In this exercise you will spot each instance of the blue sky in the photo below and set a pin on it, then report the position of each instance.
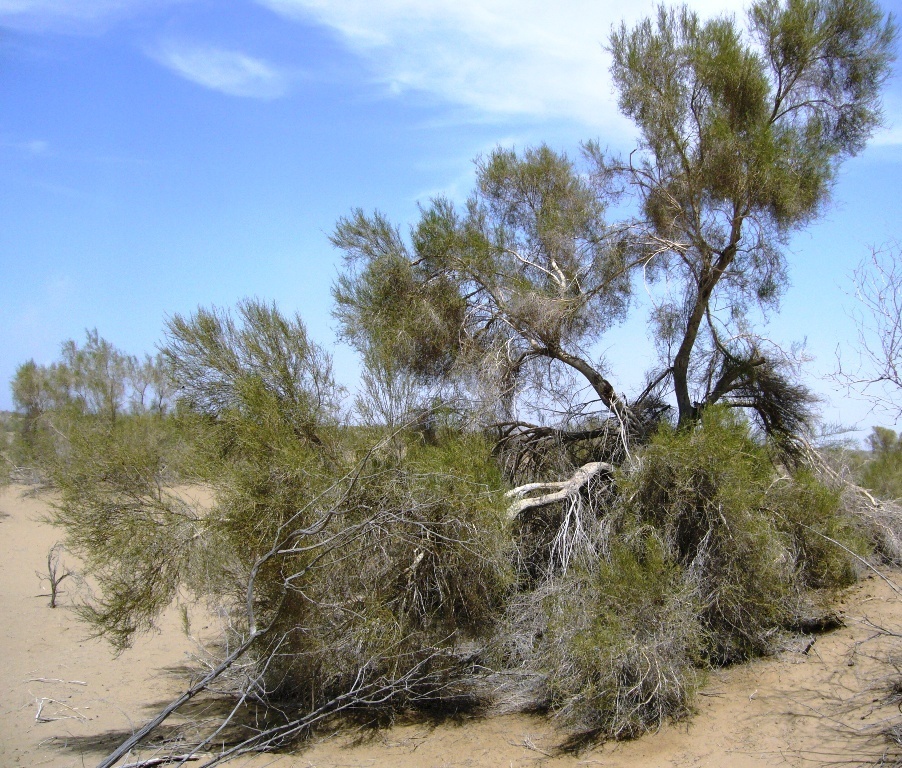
(158, 155)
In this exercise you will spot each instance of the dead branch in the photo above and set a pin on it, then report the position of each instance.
(161, 761)
(40, 718)
(126, 746)
(53, 574)
(560, 490)
(878, 317)
(362, 694)
(883, 517)
(55, 680)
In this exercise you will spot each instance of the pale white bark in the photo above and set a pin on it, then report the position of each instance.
(558, 491)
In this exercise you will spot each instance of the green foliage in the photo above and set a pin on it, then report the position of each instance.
(702, 553)
(133, 532)
(391, 309)
(818, 535)
(262, 360)
(95, 376)
(624, 643)
(95, 382)
(377, 563)
(406, 555)
(750, 540)
(742, 132)
(372, 559)
(423, 573)
(389, 395)
(9, 428)
(527, 272)
(742, 135)
(882, 473)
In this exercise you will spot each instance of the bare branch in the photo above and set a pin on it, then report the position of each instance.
(559, 490)
(878, 290)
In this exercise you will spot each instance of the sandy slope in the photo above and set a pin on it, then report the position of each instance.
(797, 709)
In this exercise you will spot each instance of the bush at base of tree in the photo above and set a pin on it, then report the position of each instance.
(625, 643)
(751, 539)
(705, 554)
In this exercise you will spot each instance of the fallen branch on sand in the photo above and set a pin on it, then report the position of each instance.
(54, 680)
(41, 718)
(161, 761)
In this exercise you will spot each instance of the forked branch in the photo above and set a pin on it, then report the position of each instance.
(558, 491)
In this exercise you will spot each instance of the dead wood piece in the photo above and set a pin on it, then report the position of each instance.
(560, 490)
(161, 761)
(819, 623)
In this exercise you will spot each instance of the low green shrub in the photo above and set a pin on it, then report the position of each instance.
(882, 472)
(115, 501)
(704, 554)
(821, 540)
(377, 563)
(419, 578)
(624, 643)
(750, 539)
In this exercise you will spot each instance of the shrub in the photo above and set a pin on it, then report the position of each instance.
(373, 565)
(417, 573)
(135, 535)
(623, 642)
(702, 554)
(750, 539)
(883, 472)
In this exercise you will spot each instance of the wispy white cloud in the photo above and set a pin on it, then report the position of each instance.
(228, 71)
(501, 57)
(71, 15)
(29, 147)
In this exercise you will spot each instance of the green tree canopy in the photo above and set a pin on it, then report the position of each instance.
(741, 137)
(741, 134)
(527, 275)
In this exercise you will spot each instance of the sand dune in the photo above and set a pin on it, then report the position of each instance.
(65, 701)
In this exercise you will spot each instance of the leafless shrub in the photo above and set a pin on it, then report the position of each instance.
(877, 374)
(880, 519)
(55, 573)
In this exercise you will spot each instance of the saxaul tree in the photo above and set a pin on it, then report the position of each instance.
(350, 575)
(741, 132)
(367, 565)
(742, 135)
(92, 385)
(504, 296)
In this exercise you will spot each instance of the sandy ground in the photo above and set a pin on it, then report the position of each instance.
(66, 701)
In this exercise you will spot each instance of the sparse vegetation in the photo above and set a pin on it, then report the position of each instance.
(882, 472)
(381, 560)
(56, 572)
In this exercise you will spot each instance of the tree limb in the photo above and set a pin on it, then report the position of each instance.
(559, 490)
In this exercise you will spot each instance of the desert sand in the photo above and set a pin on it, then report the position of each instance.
(66, 701)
